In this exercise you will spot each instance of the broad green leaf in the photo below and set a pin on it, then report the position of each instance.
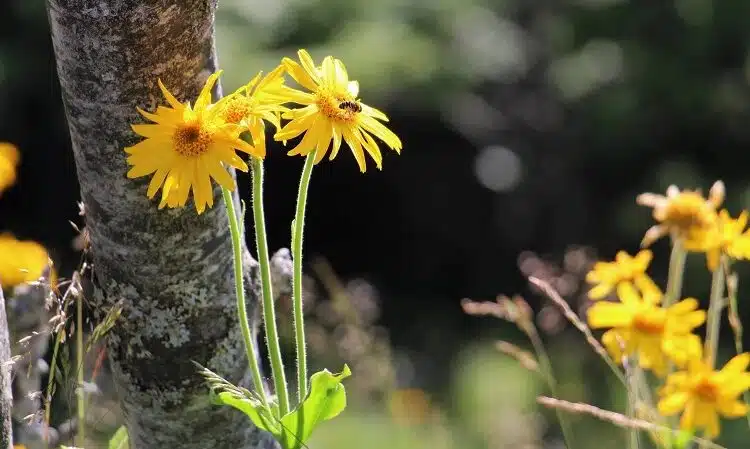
(119, 440)
(253, 409)
(326, 399)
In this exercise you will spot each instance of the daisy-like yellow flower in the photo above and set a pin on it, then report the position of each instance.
(680, 212)
(9, 158)
(332, 113)
(22, 261)
(703, 394)
(186, 147)
(606, 276)
(258, 101)
(640, 327)
(727, 236)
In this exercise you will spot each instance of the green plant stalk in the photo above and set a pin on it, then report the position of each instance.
(634, 441)
(714, 314)
(50, 382)
(239, 288)
(269, 315)
(737, 330)
(299, 317)
(676, 271)
(80, 393)
(546, 366)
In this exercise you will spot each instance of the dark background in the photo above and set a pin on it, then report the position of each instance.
(527, 125)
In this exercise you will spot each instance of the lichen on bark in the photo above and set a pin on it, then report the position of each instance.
(171, 270)
(6, 400)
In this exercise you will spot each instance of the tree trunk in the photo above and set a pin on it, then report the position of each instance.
(6, 399)
(170, 269)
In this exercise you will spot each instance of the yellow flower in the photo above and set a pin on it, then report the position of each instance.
(640, 327)
(186, 147)
(9, 158)
(726, 236)
(703, 394)
(258, 100)
(22, 261)
(332, 112)
(680, 212)
(625, 269)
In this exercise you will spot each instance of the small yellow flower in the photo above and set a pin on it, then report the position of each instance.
(640, 327)
(680, 212)
(332, 113)
(21, 261)
(9, 157)
(703, 394)
(625, 269)
(727, 236)
(19, 446)
(258, 100)
(186, 147)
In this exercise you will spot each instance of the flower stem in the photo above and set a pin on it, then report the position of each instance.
(80, 392)
(676, 272)
(633, 394)
(240, 293)
(714, 314)
(269, 316)
(299, 318)
(546, 367)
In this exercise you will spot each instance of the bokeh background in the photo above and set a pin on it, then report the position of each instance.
(529, 126)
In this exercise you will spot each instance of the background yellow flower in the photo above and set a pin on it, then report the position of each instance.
(21, 261)
(703, 394)
(606, 276)
(726, 236)
(9, 157)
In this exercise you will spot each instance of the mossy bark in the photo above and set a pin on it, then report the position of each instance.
(170, 269)
(6, 399)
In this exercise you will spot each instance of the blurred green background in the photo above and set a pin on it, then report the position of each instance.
(528, 126)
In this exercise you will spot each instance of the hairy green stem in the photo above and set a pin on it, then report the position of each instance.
(714, 314)
(546, 366)
(676, 272)
(269, 315)
(299, 318)
(634, 441)
(239, 287)
(50, 383)
(80, 391)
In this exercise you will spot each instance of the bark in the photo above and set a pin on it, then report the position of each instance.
(171, 269)
(6, 399)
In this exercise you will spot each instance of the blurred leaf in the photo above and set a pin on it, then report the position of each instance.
(119, 440)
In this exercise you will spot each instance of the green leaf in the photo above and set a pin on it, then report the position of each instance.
(119, 440)
(252, 408)
(326, 399)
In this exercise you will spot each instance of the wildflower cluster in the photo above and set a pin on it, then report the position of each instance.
(654, 330)
(21, 261)
(189, 145)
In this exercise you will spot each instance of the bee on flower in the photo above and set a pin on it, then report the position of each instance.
(606, 276)
(332, 113)
(680, 212)
(640, 327)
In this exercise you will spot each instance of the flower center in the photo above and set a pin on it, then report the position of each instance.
(337, 106)
(688, 210)
(191, 139)
(650, 322)
(236, 109)
(706, 390)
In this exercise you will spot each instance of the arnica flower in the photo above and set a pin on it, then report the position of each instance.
(606, 276)
(703, 394)
(640, 327)
(332, 113)
(727, 236)
(254, 103)
(9, 158)
(186, 147)
(22, 261)
(680, 212)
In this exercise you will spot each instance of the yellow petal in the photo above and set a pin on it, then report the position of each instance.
(609, 314)
(168, 95)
